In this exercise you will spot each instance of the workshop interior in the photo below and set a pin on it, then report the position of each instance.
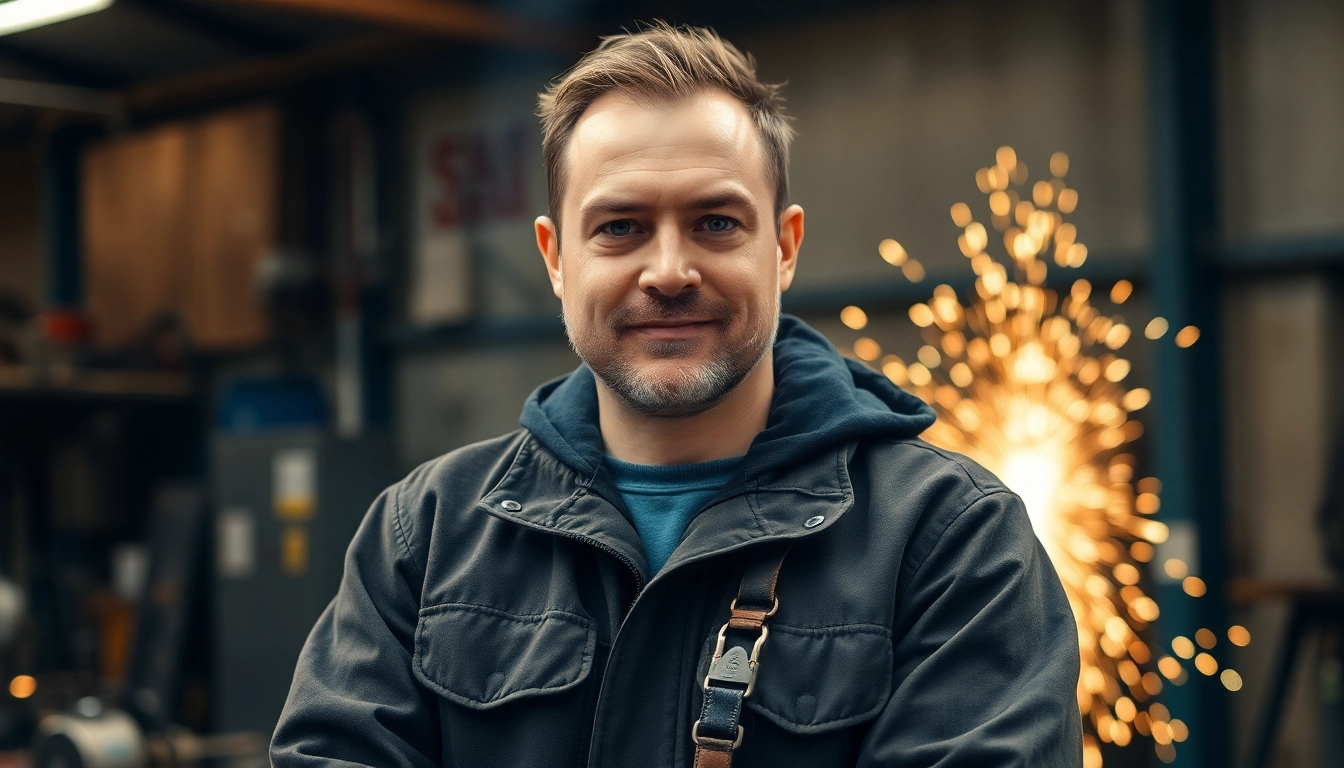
(261, 258)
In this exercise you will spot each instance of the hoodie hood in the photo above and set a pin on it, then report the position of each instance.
(821, 401)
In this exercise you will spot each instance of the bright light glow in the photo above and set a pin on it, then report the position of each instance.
(18, 15)
(1034, 475)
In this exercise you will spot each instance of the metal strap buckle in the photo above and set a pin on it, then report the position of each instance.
(719, 744)
(733, 607)
(735, 666)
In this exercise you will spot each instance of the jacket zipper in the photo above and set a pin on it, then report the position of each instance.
(639, 589)
(639, 579)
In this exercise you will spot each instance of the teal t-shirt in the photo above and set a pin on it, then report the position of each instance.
(663, 498)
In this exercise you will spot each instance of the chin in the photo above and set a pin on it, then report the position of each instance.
(669, 374)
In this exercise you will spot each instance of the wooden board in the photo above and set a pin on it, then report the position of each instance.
(177, 219)
(133, 189)
(231, 223)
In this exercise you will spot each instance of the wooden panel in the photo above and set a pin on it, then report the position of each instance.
(177, 219)
(231, 224)
(133, 188)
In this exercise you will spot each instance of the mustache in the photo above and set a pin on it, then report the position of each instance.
(656, 307)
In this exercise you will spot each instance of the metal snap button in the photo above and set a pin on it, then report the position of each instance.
(511, 505)
(813, 522)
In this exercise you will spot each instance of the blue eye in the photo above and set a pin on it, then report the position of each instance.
(719, 224)
(621, 228)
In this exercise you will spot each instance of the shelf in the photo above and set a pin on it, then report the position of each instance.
(27, 382)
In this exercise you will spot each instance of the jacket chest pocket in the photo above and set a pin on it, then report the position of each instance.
(817, 687)
(516, 687)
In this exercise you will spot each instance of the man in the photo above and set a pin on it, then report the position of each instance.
(715, 543)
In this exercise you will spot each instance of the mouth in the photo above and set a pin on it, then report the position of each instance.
(672, 329)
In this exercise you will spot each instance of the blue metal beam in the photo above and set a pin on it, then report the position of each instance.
(1185, 288)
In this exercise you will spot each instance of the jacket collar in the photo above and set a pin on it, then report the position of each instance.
(540, 491)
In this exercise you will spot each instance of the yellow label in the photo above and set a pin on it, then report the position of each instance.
(294, 484)
(294, 550)
(295, 509)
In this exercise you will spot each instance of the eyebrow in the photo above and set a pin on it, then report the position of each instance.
(611, 205)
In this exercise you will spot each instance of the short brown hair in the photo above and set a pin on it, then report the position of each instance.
(662, 61)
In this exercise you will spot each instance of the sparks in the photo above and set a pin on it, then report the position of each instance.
(1031, 385)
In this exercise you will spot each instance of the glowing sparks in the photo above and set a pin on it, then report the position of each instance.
(913, 270)
(854, 318)
(1206, 664)
(1187, 336)
(961, 214)
(892, 252)
(1121, 291)
(1194, 586)
(23, 686)
(1030, 383)
(1059, 164)
(867, 349)
(1238, 635)
(1183, 647)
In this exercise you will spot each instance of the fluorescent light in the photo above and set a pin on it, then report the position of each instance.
(18, 15)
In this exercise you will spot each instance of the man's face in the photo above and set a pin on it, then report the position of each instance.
(672, 261)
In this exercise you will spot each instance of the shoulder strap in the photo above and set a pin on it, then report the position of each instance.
(732, 672)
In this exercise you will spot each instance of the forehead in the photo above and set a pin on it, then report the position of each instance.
(631, 144)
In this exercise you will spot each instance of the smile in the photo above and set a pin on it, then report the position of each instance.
(676, 329)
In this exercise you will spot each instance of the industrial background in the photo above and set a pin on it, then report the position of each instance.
(259, 258)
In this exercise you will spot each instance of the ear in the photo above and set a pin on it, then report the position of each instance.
(790, 240)
(548, 242)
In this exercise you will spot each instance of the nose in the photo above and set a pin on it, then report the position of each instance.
(670, 268)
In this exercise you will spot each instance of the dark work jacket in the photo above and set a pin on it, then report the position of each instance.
(497, 609)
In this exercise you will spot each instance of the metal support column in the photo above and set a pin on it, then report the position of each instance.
(1183, 151)
(61, 218)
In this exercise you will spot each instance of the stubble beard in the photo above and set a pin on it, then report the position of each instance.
(697, 387)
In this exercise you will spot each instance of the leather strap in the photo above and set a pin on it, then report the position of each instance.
(712, 758)
(733, 670)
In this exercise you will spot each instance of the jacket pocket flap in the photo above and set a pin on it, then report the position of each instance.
(814, 680)
(482, 657)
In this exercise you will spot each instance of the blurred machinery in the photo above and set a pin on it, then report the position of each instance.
(133, 727)
(94, 736)
(288, 497)
(1315, 612)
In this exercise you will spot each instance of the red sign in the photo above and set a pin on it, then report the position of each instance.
(477, 177)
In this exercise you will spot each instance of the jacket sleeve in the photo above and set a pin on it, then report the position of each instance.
(354, 700)
(986, 651)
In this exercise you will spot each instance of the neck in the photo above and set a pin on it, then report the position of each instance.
(724, 431)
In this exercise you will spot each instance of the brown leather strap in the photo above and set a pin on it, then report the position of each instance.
(713, 758)
(747, 619)
(755, 603)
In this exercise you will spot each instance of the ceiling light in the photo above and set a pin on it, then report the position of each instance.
(18, 15)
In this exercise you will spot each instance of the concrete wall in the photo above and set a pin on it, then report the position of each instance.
(1283, 118)
(897, 108)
